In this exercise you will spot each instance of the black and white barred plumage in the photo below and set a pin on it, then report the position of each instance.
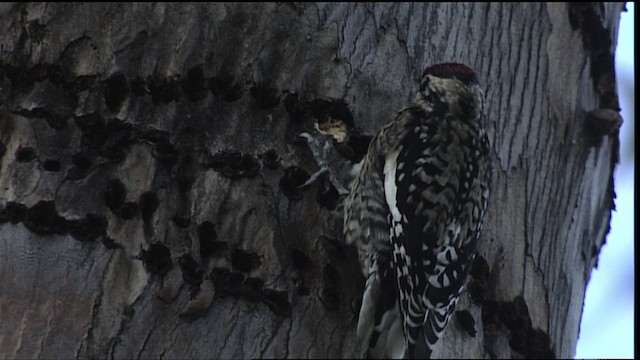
(415, 212)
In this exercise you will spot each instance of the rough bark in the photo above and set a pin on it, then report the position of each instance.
(149, 160)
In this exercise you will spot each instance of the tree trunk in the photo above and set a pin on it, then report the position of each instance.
(149, 169)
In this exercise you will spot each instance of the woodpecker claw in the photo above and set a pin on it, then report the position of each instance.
(314, 177)
(321, 149)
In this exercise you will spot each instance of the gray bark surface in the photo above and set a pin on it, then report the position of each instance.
(148, 152)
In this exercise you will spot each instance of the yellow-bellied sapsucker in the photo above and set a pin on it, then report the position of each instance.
(415, 211)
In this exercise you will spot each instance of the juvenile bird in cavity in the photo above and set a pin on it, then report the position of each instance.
(415, 211)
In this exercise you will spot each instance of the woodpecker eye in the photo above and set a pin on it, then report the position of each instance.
(425, 82)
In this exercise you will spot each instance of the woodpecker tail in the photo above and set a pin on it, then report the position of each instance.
(431, 332)
(379, 322)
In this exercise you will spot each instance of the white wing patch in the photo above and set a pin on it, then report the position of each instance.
(390, 187)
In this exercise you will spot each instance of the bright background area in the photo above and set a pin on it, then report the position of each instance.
(607, 328)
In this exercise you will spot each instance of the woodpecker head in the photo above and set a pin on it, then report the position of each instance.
(456, 71)
(450, 87)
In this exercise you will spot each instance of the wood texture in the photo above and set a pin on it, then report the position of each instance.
(148, 152)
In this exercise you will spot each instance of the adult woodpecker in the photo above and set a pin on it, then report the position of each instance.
(415, 211)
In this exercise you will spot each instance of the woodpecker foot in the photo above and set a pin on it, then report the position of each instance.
(321, 149)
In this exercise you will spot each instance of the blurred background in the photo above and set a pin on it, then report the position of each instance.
(607, 328)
